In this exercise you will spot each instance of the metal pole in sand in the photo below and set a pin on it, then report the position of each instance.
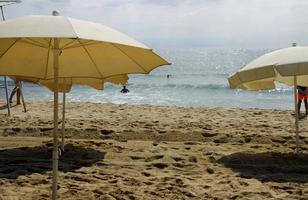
(55, 154)
(294, 44)
(5, 81)
(296, 115)
(63, 119)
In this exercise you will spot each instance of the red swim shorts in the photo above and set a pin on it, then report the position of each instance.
(301, 97)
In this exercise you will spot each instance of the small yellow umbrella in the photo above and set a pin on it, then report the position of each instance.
(56, 47)
(288, 66)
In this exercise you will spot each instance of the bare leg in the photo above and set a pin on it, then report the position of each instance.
(18, 95)
(12, 94)
(306, 106)
(299, 106)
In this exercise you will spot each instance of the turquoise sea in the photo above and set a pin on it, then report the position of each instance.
(198, 78)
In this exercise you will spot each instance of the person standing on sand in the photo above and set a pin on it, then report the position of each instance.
(302, 94)
(16, 91)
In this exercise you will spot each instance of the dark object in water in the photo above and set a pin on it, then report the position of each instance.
(124, 90)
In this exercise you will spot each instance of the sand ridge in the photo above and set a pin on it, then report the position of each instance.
(154, 152)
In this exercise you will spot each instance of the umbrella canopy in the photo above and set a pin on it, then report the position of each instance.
(288, 66)
(55, 50)
(281, 66)
(65, 84)
(87, 50)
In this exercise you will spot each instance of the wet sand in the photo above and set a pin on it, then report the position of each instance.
(154, 152)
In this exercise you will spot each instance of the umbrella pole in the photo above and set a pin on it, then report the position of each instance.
(7, 97)
(296, 115)
(63, 121)
(55, 155)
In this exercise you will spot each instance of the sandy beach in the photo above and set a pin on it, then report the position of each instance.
(154, 152)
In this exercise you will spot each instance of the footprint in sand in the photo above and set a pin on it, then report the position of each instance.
(179, 182)
(178, 159)
(137, 157)
(278, 140)
(193, 159)
(247, 139)
(113, 181)
(255, 146)
(178, 165)
(152, 158)
(189, 194)
(106, 132)
(147, 174)
(161, 131)
(191, 143)
(148, 183)
(206, 187)
(243, 183)
(221, 140)
(16, 129)
(207, 134)
(160, 165)
(155, 143)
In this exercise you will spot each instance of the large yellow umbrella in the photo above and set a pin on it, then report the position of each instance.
(59, 48)
(288, 66)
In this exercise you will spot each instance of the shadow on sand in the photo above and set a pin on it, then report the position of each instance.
(269, 166)
(4, 107)
(29, 160)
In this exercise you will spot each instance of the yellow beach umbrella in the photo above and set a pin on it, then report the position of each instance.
(288, 66)
(56, 47)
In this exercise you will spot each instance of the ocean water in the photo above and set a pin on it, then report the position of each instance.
(198, 78)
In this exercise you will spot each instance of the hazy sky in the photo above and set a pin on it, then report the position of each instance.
(188, 23)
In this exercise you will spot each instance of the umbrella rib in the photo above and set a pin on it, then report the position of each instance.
(36, 43)
(10, 47)
(129, 57)
(27, 42)
(86, 50)
(67, 44)
(83, 44)
(47, 59)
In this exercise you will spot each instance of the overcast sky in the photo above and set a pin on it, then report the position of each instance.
(188, 23)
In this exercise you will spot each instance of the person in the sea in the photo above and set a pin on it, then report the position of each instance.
(302, 94)
(124, 90)
(16, 91)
